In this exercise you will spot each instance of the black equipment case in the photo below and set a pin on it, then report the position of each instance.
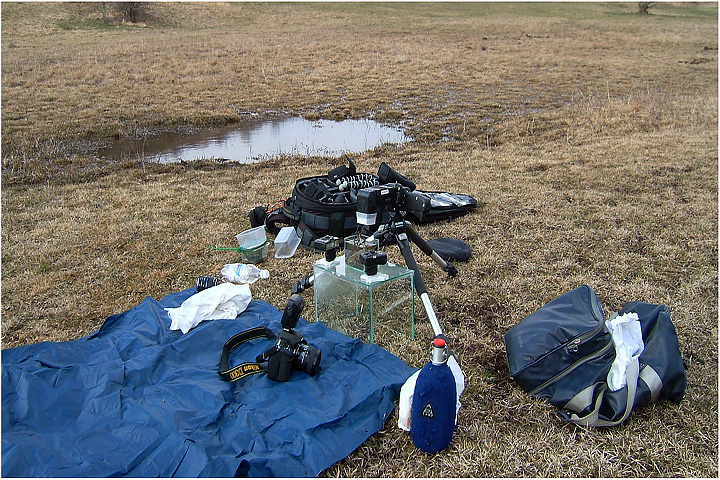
(326, 204)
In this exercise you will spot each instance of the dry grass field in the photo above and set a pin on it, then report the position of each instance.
(587, 132)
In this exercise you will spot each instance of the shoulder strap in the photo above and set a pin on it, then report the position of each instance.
(593, 419)
(278, 216)
(244, 369)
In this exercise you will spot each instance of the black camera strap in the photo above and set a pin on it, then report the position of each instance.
(244, 369)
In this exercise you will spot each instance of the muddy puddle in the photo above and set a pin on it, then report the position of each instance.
(257, 140)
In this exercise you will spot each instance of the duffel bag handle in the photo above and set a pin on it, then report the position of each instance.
(592, 419)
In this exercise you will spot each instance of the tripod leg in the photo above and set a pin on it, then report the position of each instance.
(404, 245)
(427, 250)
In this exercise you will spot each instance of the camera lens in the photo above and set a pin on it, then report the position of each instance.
(204, 282)
(308, 359)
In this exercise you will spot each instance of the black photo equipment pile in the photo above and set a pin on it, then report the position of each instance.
(327, 204)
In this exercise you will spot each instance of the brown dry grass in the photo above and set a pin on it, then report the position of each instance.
(587, 133)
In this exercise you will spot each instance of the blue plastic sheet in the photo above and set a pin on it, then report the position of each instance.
(136, 399)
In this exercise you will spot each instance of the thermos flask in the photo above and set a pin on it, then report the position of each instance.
(433, 403)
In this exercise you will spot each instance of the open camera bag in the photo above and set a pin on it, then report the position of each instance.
(563, 353)
(327, 204)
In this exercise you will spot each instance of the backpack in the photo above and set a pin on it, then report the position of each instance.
(327, 204)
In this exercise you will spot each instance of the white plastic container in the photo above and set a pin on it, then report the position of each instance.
(252, 238)
(286, 242)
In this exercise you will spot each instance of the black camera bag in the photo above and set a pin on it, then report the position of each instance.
(317, 206)
(563, 353)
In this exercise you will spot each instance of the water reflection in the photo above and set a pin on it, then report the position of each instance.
(253, 141)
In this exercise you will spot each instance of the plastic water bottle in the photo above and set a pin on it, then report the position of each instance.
(433, 403)
(243, 273)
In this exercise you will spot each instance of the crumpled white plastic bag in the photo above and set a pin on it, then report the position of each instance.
(408, 389)
(626, 333)
(225, 300)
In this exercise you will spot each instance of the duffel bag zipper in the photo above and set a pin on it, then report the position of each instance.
(574, 345)
(568, 370)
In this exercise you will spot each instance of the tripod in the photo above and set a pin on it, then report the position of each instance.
(435, 390)
(400, 232)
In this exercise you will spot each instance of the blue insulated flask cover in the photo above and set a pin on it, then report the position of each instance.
(433, 406)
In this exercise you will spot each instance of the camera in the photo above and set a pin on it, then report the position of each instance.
(290, 351)
(328, 244)
(370, 261)
(373, 201)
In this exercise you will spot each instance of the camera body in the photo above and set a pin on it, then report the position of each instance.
(291, 351)
(329, 245)
(370, 261)
(373, 201)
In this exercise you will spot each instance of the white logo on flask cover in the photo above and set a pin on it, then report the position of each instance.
(428, 412)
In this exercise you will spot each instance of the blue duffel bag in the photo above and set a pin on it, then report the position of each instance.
(563, 352)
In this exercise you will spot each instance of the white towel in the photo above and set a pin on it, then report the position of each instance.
(626, 333)
(226, 300)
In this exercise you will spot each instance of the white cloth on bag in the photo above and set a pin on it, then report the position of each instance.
(408, 389)
(226, 300)
(626, 333)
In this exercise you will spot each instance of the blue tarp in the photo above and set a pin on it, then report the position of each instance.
(136, 399)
